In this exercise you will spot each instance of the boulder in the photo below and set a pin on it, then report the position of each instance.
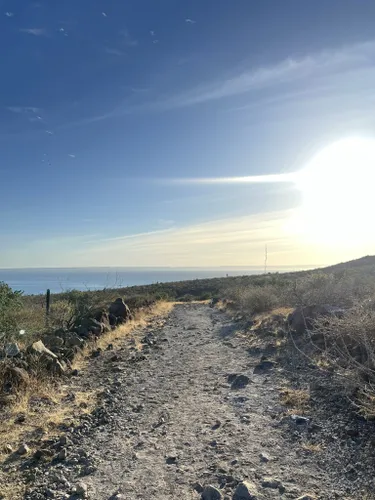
(211, 493)
(12, 350)
(303, 318)
(40, 349)
(15, 378)
(245, 491)
(119, 309)
(71, 339)
(240, 382)
(53, 342)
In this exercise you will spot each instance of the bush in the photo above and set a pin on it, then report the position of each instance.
(9, 303)
(252, 300)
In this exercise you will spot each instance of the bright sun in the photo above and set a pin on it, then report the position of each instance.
(338, 192)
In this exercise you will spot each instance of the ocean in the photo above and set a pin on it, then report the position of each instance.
(36, 281)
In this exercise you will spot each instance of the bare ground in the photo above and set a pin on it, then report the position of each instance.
(171, 421)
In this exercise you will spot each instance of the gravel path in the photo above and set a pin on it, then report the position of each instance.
(173, 420)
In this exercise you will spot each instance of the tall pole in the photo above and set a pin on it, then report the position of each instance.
(265, 259)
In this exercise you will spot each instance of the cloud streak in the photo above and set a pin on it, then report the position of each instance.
(34, 31)
(289, 70)
(251, 179)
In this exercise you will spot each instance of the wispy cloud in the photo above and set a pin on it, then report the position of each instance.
(289, 70)
(23, 109)
(127, 39)
(72, 156)
(104, 14)
(9, 14)
(252, 179)
(190, 21)
(113, 51)
(34, 31)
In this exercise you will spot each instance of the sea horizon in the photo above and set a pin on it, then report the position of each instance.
(35, 281)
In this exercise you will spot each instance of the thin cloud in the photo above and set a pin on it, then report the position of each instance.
(104, 14)
(252, 179)
(72, 156)
(34, 31)
(23, 109)
(113, 51)
(190, 21)
(9, 14)
(127, 39)
(290, 70)
(49, 132)
(152, 32)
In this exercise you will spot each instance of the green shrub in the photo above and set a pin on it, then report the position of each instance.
(9, 303)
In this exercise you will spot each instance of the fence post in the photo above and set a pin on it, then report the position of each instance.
(48, 303)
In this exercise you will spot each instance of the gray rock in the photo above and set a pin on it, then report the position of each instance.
(263, 366)
(62, 455)
(74, 340)
(53, 341)
(211, 493)
(119, 309)
(240, 381)
(81, 490)
(12, 350)
(306, 497)
(270, 482)
(246, 491)
(23, 449)
(264, 457)
(8, 449)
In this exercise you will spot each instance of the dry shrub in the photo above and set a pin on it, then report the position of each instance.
(253, 300)
(350, 340)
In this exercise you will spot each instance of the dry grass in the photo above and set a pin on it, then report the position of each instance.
(47, 404)
(313, 448)
(297, 400)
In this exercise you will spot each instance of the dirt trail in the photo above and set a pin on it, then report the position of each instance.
(171, 419)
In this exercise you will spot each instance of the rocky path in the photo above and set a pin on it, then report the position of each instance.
(185, 412)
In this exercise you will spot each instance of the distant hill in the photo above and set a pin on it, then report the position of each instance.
(364, 262)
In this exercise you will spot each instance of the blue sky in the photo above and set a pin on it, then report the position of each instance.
(105, 104)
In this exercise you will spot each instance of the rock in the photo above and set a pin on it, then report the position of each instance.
(303, 318)
(119, 309)
(81, 490)
(62, 455)
(297, 419)
(264, 457)
(12, 350)
(53, 342)
(38, 454)
(211, 493)
(8, 449)
(74, 340)
(197, 487)
(23, 449)
(40, 349)
(63, 441)
(263, 366)
(15, 378)
(240, 381)
(306, 497)
(245, 491)
(272, 483)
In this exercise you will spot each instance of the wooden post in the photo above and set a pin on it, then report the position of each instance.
(48, 303)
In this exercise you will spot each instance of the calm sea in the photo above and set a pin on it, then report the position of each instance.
(36, 281)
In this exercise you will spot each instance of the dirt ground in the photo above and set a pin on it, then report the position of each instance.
(193, 407)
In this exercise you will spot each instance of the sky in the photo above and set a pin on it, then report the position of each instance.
(167, 133)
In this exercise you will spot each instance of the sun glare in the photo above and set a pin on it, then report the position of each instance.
(338, 192)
